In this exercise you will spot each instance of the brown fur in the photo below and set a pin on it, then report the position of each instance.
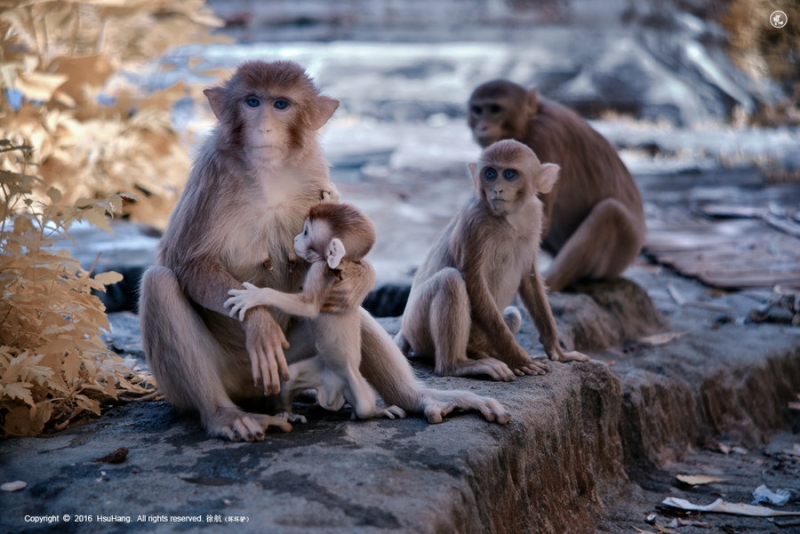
(334, 373)
(593, 218)
(248, 193)
(458, 307)
(348, 224)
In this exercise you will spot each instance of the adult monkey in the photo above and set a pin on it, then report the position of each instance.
(593, 217)
(247, 196)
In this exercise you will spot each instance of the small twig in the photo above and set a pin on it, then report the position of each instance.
(144, 398)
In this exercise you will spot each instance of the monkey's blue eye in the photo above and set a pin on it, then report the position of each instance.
(253, 102)
(490, 174)
(509, 174)
(281, 104)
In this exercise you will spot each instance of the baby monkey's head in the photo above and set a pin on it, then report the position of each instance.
(333, 231)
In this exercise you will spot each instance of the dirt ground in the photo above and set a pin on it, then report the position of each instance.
(740, 471)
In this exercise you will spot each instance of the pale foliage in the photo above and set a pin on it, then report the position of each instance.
(81, 160)
(57, 57)
(53, 364)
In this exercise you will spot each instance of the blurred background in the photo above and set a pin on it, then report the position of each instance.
(108, 95)
(101, 109)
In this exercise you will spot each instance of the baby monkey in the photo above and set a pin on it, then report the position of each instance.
(334, 240)
(484, 257)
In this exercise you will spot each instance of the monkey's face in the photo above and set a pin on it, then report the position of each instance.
(504, 188)
(498, 110)
(268, 118)
(487, 119)
(313, 241)
(510, 175)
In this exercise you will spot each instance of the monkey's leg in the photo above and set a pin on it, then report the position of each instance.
(359, 394)
(603, 246)
(303, 375)
(386, 368)
(480, 346)
(444, 322)
(188, 362)
(362, 397)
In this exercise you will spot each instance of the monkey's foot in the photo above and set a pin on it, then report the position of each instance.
(236, 425)
(483, 366)
(572, 356)
(390, 413)
(537, 366)
(292, 417)
(436, 404)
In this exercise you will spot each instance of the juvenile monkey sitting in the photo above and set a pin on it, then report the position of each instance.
(484, 257)
(334, 240)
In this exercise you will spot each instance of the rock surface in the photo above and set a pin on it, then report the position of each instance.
(561, 465)
(592, 447)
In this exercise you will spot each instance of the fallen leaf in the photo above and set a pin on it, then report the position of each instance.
(698, 480)
(661, 339)
(116, 457)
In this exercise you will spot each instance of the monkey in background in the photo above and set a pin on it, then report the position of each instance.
(593, 217)
(484, 257)
(334, 240)
(248, 194)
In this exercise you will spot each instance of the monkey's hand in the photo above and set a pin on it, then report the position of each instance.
(292, 417)
(536, 366)
(242, 300)
(557, 355)
(390, 413)
(331, 193)
(570, 356)
(522, 364)
(265, 346)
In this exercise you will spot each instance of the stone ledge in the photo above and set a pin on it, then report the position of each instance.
(554, 468)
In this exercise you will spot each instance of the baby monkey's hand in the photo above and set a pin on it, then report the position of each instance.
(242, 300)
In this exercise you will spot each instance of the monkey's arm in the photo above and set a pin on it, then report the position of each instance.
(207, 283)
(299, 304)
(533, 294)
(308, 303)
(487, 316)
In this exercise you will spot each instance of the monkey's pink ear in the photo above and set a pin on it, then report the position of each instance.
(548, 177)
(533, 101)
(325, 108)
(216, 98)
(335, 252)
